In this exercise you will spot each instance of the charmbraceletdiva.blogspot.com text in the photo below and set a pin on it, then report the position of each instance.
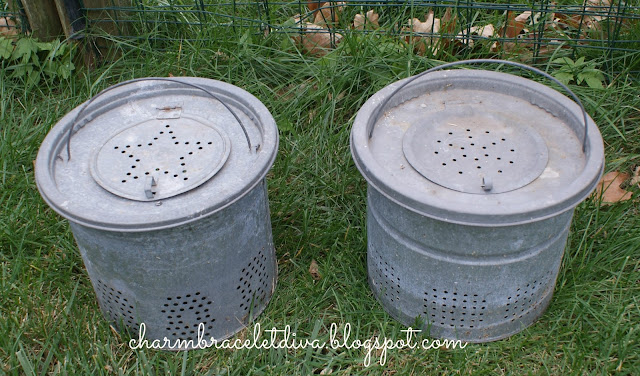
(286, 339)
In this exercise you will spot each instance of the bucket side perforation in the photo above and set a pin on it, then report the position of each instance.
(387, 277)
(253, 283)
(523, 298)
(470, 311)
(187, 314)
(118, 309)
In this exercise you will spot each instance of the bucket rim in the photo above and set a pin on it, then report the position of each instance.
(382, 181)
(52, 151)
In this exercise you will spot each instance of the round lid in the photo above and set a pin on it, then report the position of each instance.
(477, 147)
(473, 151)
(154, 153)
(160, 158)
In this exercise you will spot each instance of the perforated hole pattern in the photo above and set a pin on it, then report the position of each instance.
(386, 277)
(474, 150)
(253, 283)
(466, 309)
(179, 169)
(184, 314)
(117, 306)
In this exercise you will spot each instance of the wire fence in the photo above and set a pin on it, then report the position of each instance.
(612, 25)
(433, 27)
(12, 21)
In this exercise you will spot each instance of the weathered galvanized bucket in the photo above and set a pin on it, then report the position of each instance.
(473, 179)
(163, 182)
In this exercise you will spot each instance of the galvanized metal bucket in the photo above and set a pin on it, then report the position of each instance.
(163, 182)
(473, 177)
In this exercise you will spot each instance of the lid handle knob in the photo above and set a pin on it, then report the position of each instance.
(148, 186)
(487, 184)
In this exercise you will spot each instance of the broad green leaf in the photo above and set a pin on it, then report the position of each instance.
(25, 47)
(33, 78)
(594, 72)
(285, 126)
(6, 48)
(58, 49)
(50, 69)
(64, 70)
(580, 61)
(593, 80)
(563, 60)
(20, 70)
(291, 23)
(564, 77)
(61, 48)
(45, 46)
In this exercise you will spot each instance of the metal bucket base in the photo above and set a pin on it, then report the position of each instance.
(490, 283)
(219, 271)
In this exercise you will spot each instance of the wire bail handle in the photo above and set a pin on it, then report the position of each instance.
(166, 79)
(380, 108)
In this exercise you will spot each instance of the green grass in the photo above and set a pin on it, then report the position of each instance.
(49, 317)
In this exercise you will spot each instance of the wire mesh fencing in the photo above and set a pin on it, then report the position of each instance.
(431, 26)
(12, 21)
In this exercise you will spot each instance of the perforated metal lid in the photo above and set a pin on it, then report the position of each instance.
(159, 158)
(477, 147)
(475, 152)
(156, 152)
